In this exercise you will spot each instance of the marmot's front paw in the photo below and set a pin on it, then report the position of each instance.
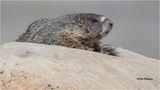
(107, 49)
(86, 48)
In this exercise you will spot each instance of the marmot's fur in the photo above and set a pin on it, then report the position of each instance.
(83, 31)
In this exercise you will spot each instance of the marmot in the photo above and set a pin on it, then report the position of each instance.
(80, 30)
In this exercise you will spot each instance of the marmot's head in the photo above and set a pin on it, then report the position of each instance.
(90, 26)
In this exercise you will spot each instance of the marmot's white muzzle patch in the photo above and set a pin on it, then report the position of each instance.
(103, 18)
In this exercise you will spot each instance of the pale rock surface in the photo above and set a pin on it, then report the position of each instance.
(27, 66)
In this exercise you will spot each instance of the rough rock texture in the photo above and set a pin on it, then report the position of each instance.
(27, 66)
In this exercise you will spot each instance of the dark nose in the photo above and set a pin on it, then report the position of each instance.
(111, 25)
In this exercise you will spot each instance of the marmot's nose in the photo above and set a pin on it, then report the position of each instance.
(111, 24)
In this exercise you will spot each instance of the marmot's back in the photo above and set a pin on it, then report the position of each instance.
(42, 31)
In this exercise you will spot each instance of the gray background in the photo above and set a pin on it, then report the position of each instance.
(136, 24)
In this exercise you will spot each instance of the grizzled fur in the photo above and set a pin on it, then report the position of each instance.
(83, 31)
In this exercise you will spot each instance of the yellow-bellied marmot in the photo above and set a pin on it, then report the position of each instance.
(82, 30)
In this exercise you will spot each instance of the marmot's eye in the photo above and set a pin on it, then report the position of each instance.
(94, 20)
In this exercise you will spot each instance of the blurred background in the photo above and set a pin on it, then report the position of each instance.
(136, 23)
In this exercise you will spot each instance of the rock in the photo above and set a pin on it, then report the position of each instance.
(28, 66)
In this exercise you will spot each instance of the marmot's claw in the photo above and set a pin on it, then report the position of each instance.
(107, 49)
